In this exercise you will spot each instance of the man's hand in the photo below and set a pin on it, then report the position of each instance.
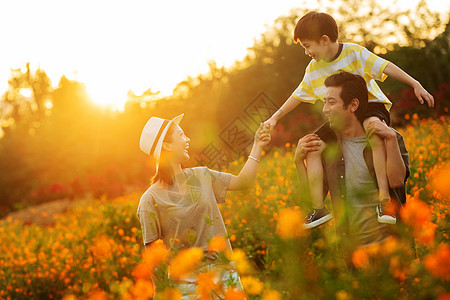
(422, 95)
(309, 143)
(379, 128)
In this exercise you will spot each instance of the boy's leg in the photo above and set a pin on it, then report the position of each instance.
(315, 178)
(318, 214)
(376, 112)
(379, 160)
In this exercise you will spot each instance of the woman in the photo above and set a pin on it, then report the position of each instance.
(180, 207)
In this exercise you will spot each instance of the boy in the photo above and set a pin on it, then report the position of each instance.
(318, 33)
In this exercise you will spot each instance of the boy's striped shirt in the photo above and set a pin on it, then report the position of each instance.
(354, 59)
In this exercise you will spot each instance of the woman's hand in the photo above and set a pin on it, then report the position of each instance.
(263, 136)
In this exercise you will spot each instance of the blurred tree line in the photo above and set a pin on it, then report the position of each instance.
(56, 143)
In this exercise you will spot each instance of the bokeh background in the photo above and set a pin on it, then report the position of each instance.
(80, 80)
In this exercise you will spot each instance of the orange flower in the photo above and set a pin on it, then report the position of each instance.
(415, 212)
(206, 283)
(217, 244)
(235, 295)
(155, 254)
(360, 258)
(98, 295)
(290, 224)
(440, 179)
(425, 234)
(143, 289)
(438, 263)
(142, 271)
(185, 262)
(397, 269)
(101, 247)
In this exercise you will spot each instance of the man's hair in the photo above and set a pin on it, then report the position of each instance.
(353, 86)
(314, 25)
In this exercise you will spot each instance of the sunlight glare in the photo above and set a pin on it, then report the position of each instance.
(26, 92)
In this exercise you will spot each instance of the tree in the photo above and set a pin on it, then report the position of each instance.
(27, 99)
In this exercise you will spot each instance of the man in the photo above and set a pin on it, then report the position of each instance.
(348, 165)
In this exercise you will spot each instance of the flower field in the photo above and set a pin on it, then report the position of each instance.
(95, 251)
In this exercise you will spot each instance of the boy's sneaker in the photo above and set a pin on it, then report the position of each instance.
(317, 217)
(386, 212)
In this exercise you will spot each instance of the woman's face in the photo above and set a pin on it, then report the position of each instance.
(179, 145)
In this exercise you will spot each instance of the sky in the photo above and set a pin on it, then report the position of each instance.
(116, 46)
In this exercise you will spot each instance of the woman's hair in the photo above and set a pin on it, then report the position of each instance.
(165, 172)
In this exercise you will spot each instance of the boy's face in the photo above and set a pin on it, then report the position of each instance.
(315, 49)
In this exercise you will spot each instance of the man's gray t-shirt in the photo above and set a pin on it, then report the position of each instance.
(362, 194)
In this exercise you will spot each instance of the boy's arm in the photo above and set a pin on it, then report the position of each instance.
(397, 73)
(287, 107)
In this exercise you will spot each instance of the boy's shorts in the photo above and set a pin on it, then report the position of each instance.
(327, 135)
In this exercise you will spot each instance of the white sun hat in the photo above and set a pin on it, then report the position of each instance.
(153, 135)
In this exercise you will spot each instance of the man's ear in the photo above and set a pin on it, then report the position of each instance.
(354, 105)
(166, 146)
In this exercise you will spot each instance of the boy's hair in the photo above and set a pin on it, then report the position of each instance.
(314, 25)
(353, 86)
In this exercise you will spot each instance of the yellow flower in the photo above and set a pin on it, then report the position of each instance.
(343, 295)
(169, 294)
(238, 256)
(271, 295)
(252, 285)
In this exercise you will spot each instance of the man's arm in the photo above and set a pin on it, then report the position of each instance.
(397, 73)
(308, 143)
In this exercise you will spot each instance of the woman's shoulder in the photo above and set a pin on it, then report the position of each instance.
(197, 171)
(148, 195)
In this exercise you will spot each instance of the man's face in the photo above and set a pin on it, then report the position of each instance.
(314, 49)
(334, 109)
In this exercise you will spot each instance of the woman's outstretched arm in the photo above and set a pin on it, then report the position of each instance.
(247, 175)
